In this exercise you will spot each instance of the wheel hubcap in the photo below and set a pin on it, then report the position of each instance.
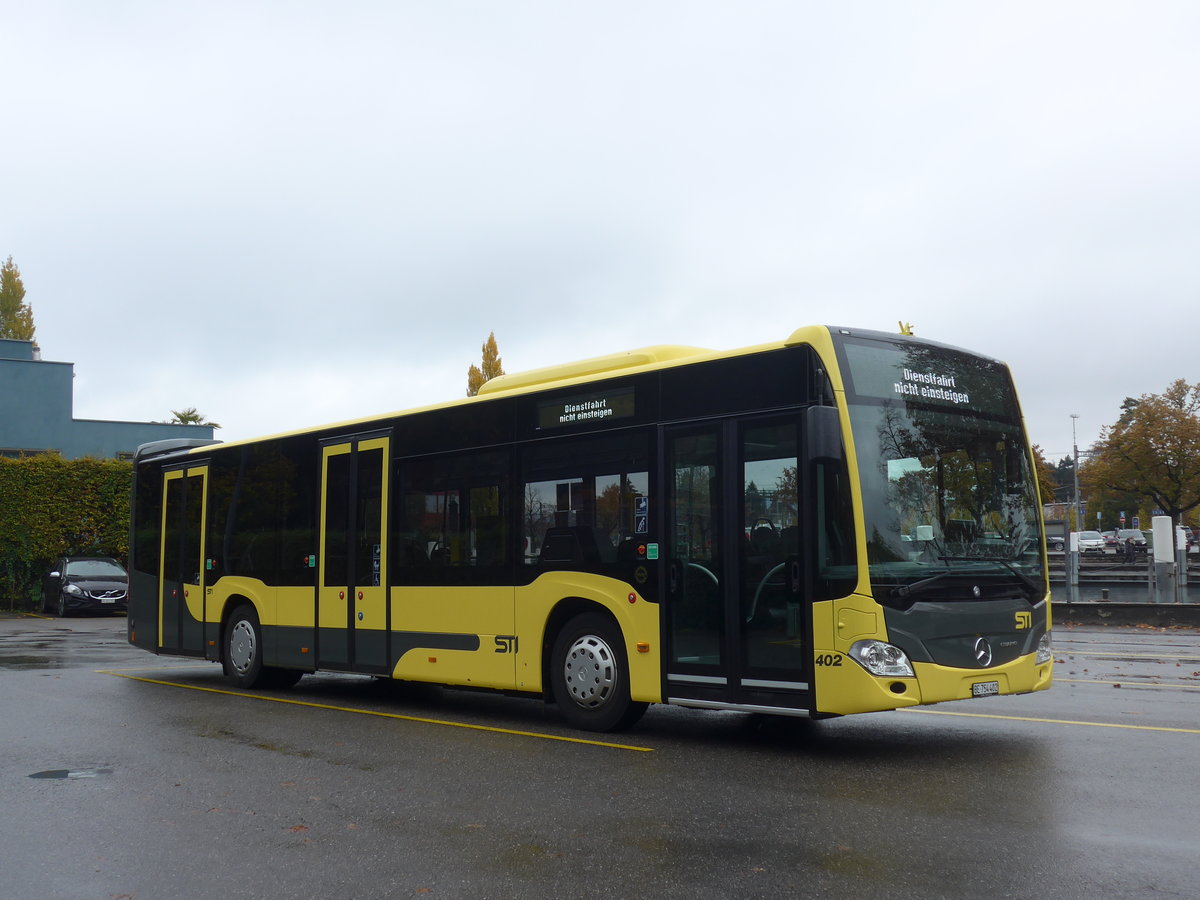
(590, 672)
(241, 646)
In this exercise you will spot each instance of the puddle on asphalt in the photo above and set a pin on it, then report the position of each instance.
(28, 662)
(59, 651)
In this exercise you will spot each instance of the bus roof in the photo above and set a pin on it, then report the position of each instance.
(613, 365)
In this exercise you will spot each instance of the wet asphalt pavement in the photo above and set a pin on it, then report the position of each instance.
(125, 775)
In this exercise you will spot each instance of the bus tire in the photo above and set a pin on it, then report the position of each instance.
(242, 649)
(589, 675)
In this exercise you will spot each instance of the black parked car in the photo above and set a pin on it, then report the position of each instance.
(77, 583)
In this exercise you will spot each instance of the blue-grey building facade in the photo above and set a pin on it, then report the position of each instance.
(36, 413)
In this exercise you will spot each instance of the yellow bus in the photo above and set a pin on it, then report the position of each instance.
(843, 521)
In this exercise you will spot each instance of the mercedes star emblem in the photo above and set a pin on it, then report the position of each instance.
(983, 653)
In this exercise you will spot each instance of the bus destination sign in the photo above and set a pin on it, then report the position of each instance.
(931, 376)
(584, 408)
(929, 386)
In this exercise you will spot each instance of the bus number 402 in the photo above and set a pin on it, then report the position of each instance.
(829, 659)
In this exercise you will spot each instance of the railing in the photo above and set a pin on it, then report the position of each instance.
(1084, 577)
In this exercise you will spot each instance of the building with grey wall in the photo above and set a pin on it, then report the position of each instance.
(36, 412)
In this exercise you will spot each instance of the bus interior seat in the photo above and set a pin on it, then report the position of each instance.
(413, 554)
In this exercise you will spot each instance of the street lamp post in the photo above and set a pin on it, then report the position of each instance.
(1075, 474)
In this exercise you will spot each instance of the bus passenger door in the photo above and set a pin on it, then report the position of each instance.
(695, 556)
(352, 614)
(737, 619)
(182, 576)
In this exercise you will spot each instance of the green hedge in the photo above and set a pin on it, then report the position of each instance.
(51, 507)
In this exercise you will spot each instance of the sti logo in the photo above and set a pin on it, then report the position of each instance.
(1024, 621)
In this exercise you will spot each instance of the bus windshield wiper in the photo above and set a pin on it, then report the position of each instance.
(905, 589)
(1021, 576)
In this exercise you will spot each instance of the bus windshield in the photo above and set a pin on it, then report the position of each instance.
(950, 506)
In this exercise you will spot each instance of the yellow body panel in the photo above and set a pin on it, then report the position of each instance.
(283, 606)
(371, 600)
(849, 688)
(857, 618)
(511, 627)
(1022, 675)
(510, 624)
(484, 611)
(332, 602)
(293, 607)
(638, 620)
(844, 687)
(193, 599)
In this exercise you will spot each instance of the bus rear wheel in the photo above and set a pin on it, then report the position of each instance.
(243, 646)
(589, 675)
(242, 654)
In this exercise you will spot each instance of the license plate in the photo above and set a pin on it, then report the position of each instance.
(985, 689)
(108, 601)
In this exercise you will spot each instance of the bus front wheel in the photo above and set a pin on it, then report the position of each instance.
(590, 675)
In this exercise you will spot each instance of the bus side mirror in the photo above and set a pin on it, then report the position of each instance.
(823, 434)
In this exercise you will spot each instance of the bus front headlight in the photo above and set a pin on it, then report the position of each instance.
(1045, 650)
(880, 658)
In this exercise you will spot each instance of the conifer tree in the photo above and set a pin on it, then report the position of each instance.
(492, 366)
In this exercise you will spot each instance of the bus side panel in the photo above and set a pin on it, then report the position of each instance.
(144, 549)
(429, 643)
(637, 618)
(284, 614)
(291, 621)
(142, 621)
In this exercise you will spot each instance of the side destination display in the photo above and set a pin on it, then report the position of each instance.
(563, 412)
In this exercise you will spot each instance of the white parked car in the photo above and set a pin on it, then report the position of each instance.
(1090, 541)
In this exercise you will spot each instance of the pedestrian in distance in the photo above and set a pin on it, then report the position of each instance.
(1130, 550)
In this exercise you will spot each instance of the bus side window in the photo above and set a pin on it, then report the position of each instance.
(836, 557)
(585, 503)
(452, 521)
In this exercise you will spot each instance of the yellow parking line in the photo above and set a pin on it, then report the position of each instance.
(384, 715)
(941, 712)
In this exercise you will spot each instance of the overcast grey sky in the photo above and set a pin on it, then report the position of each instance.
(292, 213)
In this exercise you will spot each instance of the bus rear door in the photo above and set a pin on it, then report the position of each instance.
(182, 574)
(352, 581)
